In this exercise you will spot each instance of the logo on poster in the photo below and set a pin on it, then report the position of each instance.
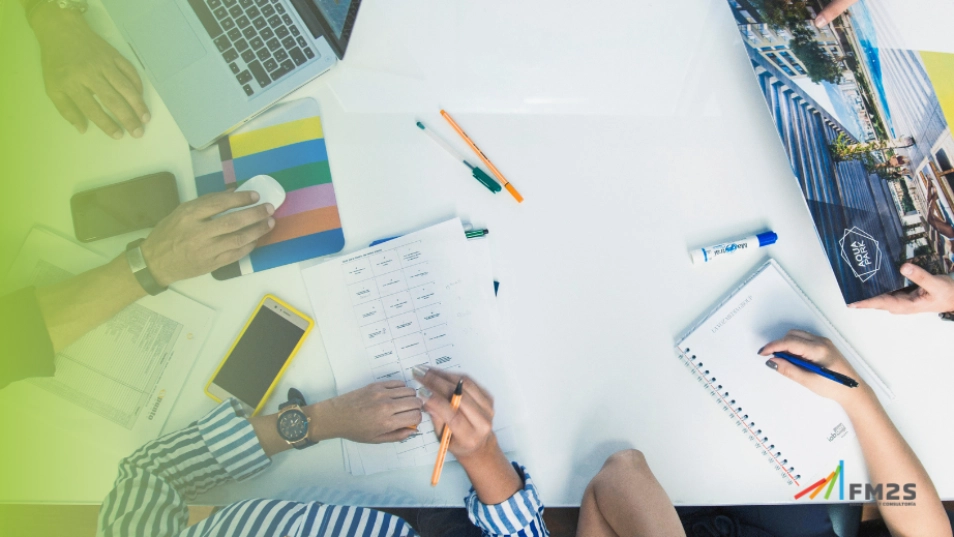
(862, 253)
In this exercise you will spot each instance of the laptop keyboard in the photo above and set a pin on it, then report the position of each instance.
(257, 39)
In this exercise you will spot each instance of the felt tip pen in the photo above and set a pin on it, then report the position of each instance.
(478, 174)
(711, 253)
(817, 369)
(446, 435)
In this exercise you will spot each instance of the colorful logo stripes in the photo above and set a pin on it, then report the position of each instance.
(293, 152)
(815, 489)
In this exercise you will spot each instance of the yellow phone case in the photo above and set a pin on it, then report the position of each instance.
(268, 393)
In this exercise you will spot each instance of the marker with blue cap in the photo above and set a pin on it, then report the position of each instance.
(718, 251)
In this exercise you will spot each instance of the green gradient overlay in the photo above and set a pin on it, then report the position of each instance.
(43, 162)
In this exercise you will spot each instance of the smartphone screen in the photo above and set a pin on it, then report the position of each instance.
(124, 207)
(260, 354)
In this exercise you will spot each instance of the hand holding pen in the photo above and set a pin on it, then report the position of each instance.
(815, 363)
(472, 441)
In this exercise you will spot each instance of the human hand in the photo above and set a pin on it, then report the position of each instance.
(471, 424)
(382, 412)
(190, 243)
(832, 11)
(820, 351)
(935, 293)
(79, 68)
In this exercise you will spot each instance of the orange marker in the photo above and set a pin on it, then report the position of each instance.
(446, 435)
(506, 184)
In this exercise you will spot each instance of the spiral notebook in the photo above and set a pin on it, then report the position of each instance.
(800, 433)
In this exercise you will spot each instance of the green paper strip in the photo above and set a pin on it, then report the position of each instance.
(316, 173)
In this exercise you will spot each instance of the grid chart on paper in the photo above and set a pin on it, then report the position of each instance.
(402, 320)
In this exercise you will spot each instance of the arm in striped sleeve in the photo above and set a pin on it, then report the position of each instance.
(521, 515)
(149, 497)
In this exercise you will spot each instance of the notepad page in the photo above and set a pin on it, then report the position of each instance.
(800, 432)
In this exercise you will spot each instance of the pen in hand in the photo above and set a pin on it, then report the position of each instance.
(446, 435)
(817, 369)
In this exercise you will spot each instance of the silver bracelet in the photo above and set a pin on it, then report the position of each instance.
(73, 5)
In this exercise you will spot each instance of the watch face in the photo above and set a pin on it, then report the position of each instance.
(293, 425)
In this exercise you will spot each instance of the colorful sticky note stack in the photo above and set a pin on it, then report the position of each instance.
(288, 144)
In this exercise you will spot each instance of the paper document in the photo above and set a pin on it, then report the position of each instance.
(130, 369)
(421, 299)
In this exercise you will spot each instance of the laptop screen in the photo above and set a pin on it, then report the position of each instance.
(335, 12)
(331, 19)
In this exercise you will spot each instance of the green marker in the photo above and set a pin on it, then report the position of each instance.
(479, 174)
(476, 233)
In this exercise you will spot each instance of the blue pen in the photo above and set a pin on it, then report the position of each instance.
(818, 370)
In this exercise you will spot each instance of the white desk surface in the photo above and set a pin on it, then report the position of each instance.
(634, 131)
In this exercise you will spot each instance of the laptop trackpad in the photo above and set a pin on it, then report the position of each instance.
(165, 41)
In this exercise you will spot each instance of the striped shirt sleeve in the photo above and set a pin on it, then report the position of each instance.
(520, 515)
(149, 496)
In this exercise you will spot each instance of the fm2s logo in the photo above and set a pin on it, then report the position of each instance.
(884, 493)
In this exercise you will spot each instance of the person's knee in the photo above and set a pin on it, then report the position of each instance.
(629, 465)
(626, 460)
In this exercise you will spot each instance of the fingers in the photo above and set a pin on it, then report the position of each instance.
(439, 382)
(117, 105)
(131, 73)
(481, 420)
(789, 370)
(90, 108)
(130, 93)
(69, 111)
(401, 392)
(470, 386)
(805, 335)
(231, 256)
(395, 436)
(924, 279)
(796, 342)
(832, 11)
(241, 219)
(210, 205)
(407, 419)
(442, 414)
(898, 304)
(244, 237)
(405, 404)
(391, 384)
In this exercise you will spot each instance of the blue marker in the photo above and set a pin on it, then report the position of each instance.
(711, 253)
(818, 370)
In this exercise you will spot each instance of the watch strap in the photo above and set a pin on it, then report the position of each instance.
(137, 263)
(296, 399)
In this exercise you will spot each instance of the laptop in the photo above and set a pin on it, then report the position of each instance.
(218, 63)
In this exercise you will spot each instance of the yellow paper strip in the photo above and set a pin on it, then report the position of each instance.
(281, 135)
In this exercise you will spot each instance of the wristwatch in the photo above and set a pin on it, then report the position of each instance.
(137, 263)
(292, 421)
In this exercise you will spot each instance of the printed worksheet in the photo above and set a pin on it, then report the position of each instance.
(421, 299)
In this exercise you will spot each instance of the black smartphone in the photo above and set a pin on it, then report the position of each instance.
(128, 206)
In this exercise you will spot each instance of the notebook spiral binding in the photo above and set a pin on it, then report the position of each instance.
(735, 411)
